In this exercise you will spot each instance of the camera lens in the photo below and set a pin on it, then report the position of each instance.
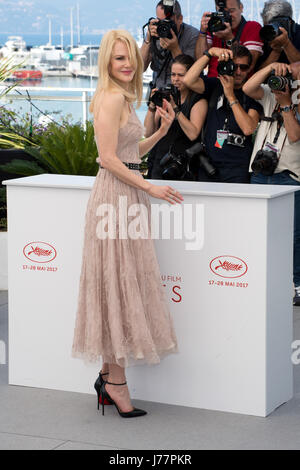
(277, 83)
(226, 68)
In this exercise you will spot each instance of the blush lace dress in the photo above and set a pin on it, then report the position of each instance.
(122, 315)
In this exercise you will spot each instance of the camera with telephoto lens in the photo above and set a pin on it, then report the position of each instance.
(278, 83)
(272, 31)
(226, 67)
(176, 167)
(236, 139)
(219, 18)
(265, 162)
(166, 93)
(203, 159)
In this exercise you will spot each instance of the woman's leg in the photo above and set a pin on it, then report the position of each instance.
(104, 368)
(120, 394)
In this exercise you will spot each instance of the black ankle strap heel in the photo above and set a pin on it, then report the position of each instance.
(129, 414)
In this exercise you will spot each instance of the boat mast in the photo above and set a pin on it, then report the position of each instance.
(62, 37)
(71, 21)
(50, 30)
(78, 23)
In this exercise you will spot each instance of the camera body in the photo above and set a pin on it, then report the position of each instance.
(175, 167)
(166, 93)
(265, 162)
(278, 83)
(226, 67)
(236, 139)
(199, 149)
(164, 28)
(272, 31)
(219, 18)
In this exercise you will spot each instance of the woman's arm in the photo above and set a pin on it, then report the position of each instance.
(107, 124)
(192, 127)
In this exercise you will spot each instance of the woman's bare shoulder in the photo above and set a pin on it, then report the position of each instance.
(109, 102)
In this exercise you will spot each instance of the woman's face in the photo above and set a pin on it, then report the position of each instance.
(120, 67)
(177, 74)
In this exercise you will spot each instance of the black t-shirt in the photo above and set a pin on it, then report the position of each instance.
(295, 40)
(175, 139)
(230, 155)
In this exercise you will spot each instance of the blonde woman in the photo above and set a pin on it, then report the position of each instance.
(122, 314)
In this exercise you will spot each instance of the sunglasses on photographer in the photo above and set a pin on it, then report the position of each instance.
(243, 67)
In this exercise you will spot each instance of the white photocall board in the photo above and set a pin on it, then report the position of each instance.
(231, 298)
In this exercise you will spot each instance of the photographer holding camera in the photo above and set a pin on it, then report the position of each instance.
(232, 116)
(167, 37)
(226, 27)
(281, 35)
(168, 159)
(276, 154)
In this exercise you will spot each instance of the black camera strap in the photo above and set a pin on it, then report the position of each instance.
(276, 117)
(238, 34)
(167, 58)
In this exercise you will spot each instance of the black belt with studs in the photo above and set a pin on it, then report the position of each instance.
(131, 166)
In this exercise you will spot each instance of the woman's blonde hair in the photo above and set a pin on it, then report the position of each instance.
(106, 81)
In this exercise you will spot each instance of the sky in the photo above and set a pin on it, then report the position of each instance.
(97, 16)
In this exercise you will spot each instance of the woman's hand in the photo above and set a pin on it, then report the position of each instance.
(167, 193)
(167, 115)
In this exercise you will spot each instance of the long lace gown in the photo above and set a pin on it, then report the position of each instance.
(122, 314)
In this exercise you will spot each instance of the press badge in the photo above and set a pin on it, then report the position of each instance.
(271, 148)
(221, 137)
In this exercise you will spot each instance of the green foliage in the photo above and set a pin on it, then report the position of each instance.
(68, 149)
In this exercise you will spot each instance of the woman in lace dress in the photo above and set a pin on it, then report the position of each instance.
(122, 314)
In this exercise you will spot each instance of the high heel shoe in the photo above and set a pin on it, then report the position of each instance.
(97, 387)
(129, 414)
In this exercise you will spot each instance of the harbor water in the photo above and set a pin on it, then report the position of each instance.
(56, 109)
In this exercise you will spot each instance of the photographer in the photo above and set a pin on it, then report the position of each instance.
(276, 154)
(236, 30)
(160, 51)
(285, 47)
(190, 110)
(232, 116)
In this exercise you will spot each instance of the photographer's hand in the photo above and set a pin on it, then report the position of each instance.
(221, 54)
(204, 21)
(167, 115)
(228, 87)
(280, 42)
(152, 29)
(280, 69)
(283, 98)
(226, 34)
(171, 45)
(290, 122)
